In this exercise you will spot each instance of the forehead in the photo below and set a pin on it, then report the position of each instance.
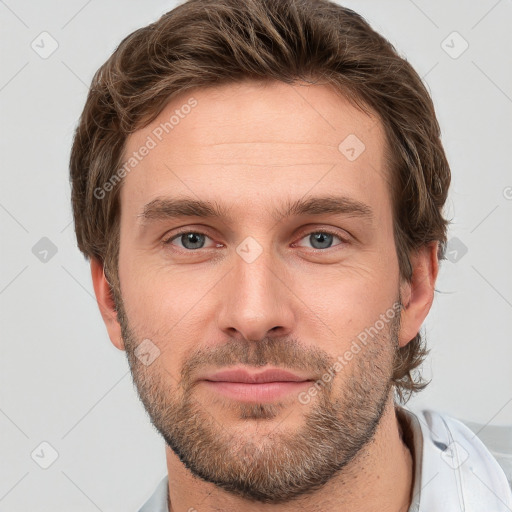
(256, 144)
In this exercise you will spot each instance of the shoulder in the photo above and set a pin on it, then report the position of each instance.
(455, 461)
(157, 502)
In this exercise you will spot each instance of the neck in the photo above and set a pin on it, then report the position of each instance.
(378, 479)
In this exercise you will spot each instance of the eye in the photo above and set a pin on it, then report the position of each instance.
(190, 240)
(322, 239)
(193, 240)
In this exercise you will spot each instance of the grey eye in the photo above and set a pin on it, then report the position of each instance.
(321, 240)
(191, 240)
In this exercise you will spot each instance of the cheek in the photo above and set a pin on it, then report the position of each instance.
(163, 302)
(346, 301)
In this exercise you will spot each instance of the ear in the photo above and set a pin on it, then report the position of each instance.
(418, 295)
(106, 303)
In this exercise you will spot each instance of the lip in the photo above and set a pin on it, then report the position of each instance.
(244, 376)
(268, 385)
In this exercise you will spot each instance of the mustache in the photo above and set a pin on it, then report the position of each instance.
(286, 353)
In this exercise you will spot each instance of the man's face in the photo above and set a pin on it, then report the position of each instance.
(257, 289)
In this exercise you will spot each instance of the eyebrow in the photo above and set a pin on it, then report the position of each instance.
(169, 208)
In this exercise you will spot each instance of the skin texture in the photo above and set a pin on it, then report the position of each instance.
(299, 305)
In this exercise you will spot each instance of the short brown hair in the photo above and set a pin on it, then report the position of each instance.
(204, 43)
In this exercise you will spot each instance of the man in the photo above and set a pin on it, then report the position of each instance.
(259, 187)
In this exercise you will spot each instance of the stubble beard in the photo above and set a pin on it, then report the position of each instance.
(280, 465)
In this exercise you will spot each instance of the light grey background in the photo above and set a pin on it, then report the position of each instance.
(62, 381)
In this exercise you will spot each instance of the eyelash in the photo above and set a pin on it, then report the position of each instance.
(315, 231)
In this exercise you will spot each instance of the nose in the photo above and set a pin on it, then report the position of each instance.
(257, 301)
